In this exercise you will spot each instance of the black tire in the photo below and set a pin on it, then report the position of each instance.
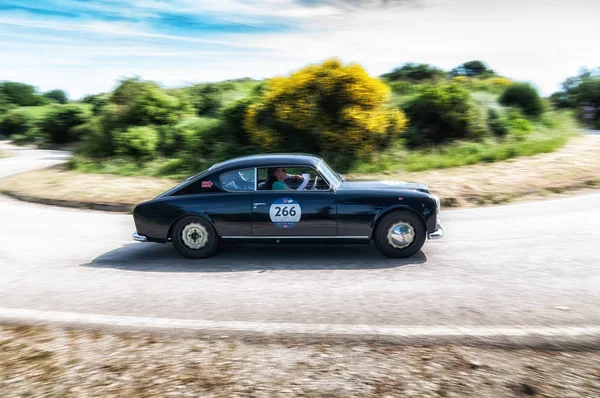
(403, 219)
(206, 237)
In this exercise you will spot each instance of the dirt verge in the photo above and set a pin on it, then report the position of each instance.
(53, 362)
(575, 167)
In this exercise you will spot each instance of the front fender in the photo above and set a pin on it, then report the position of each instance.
(387, 210)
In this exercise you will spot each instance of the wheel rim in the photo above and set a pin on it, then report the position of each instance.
(401, 235)
(194, 236)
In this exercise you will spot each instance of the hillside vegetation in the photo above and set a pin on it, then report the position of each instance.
(416, 117)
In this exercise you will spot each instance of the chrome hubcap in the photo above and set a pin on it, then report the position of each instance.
(194, 236)
(401, 235)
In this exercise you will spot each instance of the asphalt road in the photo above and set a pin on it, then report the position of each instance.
(533, 264)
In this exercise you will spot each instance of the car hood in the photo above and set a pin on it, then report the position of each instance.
(384, 185)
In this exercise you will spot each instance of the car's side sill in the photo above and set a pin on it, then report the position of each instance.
(295, 237)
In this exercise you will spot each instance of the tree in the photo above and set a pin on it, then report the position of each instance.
(582, 93)
(525, 97)
(20, 94)
(329, 109)
(472, 69)
(414, 73)
(58, 96)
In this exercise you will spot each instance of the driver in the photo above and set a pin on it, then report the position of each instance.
(277, 177)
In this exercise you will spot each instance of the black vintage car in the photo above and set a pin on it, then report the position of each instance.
(288, 198)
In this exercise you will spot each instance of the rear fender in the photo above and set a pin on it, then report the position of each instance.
(204, 216)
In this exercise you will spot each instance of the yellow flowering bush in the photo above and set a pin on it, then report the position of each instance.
(461, 79)
(332, 109)
(501, 82)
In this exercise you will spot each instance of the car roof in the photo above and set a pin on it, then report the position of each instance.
(267, 160)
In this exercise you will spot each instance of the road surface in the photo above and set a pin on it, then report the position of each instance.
(532, 265)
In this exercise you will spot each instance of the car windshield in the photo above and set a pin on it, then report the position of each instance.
(329, 174)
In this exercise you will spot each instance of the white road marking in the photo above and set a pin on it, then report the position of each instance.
(27, 315)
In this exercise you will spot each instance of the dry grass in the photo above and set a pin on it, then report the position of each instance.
(43, 362)
(575, 166)
(56, 183)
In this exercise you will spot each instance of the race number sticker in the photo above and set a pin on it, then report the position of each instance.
(285, 212)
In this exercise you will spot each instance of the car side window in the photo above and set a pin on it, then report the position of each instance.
(238, 180)
(294, 178)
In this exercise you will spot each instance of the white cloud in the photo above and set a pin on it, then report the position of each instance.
(539, 41)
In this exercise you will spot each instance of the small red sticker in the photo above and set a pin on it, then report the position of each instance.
(207, 184)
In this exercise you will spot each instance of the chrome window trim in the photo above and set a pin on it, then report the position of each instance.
(335, 186)
(255, 179)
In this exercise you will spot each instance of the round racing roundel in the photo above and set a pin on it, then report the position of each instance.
(285, 212)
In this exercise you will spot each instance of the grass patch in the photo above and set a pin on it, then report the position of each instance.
(551, 133)
(124, 167)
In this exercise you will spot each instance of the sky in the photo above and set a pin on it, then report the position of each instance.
(86, 46)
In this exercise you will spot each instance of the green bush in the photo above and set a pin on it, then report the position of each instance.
(206, 98)
(57, 125)
(518, 125)
(57, 96)
(138, 142)
(16, 122)
(471, 69)
(411, 72)
(143, 103)
(97, 101)
(96, 143)
(21, 94)
(524, 97)
(441, 113)
(496, 124)
(5, 104)
(153, 106)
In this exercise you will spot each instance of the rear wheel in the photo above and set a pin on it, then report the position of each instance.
(400, 234)
(194, 237)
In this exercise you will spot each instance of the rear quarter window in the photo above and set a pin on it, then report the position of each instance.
(238, 180)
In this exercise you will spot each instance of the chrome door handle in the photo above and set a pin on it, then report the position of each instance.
(259, 204)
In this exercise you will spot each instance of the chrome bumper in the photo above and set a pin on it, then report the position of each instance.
(438, 234)
(139, 238)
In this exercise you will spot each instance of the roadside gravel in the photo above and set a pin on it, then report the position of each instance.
(52, 362)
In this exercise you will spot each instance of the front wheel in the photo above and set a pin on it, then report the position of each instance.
(194, 237)
(400, 234)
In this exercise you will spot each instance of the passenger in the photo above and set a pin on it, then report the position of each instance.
(276, 179)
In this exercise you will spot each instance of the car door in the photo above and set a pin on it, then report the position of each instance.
(294, 213)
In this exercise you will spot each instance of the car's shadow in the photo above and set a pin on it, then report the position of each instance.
(155, 257)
